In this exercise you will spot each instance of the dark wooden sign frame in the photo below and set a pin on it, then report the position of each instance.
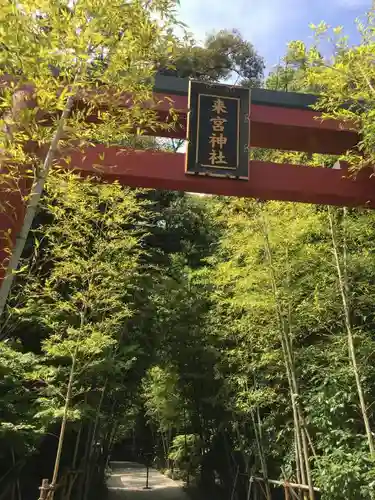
(218, 130)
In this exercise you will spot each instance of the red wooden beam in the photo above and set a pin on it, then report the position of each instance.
(267, 181)
(274, 127)
(161, 170)
(298, 130)
(12, 212)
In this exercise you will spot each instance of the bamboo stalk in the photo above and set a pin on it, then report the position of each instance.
(306, 457)
(14, 483)
(297, 436)
(34, 199)
(245, 458)
(84, 461)
(297, 455)
(111, 438)
(5, 493)
(93, 438)
(286, 490)
(275, 482)
(73, 476)
(76, 448)
(20, 464)
(235, 484)
(63, 424)
(250, 487)
(258, 440)
(289, 364)
(351, 347)
(312, 447)
(17, 483)
(292, 492)
(284, 348)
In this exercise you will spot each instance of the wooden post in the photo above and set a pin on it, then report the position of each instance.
(286, 489)
(44, 489)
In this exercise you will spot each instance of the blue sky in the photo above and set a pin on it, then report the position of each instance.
(270, 24)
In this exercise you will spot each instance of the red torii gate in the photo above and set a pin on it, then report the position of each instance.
(277, 120)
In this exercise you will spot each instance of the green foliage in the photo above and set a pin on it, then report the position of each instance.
(71, 48)
(290, 76)
(345, 84)
(185, 451)
(162, 399)
(243, 360)
(167, 308)
(19, 429)
(225, 55)
(348, 471)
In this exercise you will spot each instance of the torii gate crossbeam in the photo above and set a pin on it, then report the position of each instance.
(277, 120)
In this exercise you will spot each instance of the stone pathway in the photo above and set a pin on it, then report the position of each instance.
(128, 480)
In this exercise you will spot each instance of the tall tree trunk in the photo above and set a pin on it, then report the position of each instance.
(351, 347)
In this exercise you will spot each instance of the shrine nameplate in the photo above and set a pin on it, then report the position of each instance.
(218, 130)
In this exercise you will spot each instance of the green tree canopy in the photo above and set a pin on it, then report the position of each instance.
(224, 55)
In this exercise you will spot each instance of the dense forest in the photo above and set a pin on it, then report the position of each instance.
(222, 339)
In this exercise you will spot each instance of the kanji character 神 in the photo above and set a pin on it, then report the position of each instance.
(219, 140)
